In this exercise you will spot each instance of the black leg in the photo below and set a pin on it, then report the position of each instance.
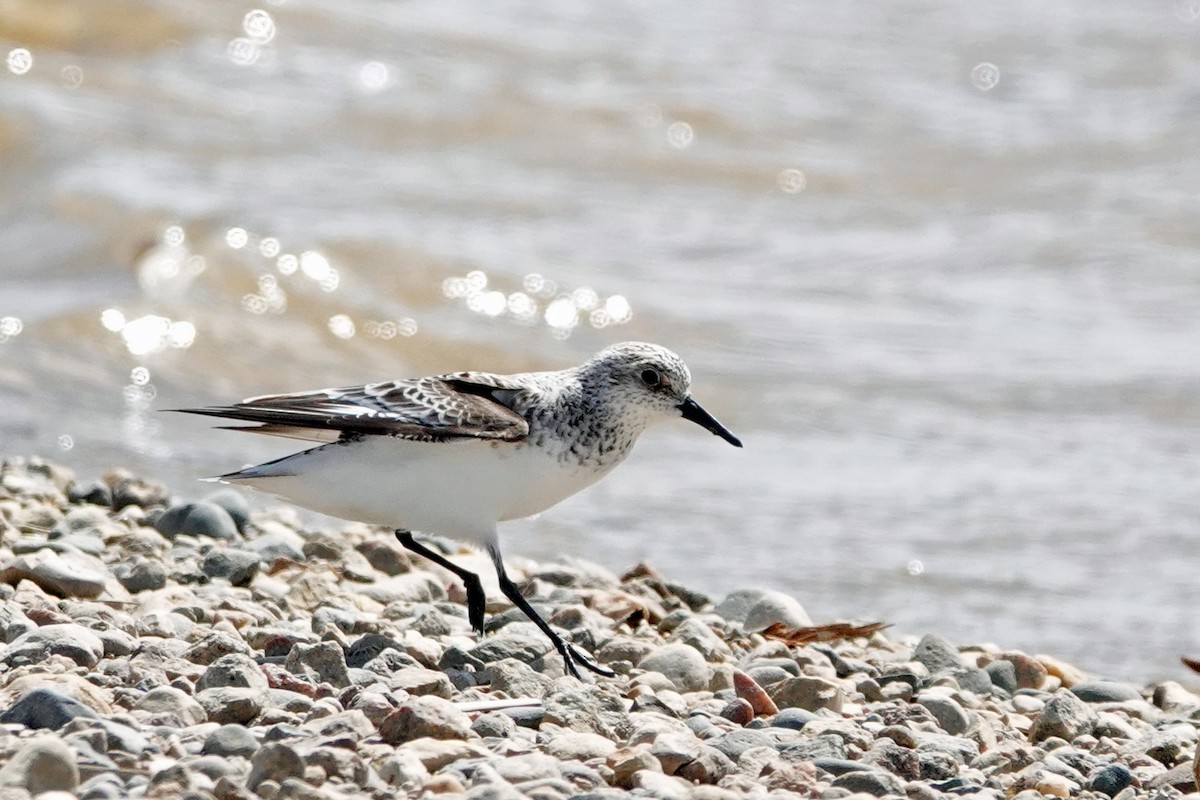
(476, 601)
(571, 655)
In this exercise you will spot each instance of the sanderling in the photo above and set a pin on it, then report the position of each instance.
(455, 454)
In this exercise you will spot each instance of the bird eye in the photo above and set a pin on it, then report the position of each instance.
(650, 377)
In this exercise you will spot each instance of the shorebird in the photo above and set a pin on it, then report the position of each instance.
(455, 454)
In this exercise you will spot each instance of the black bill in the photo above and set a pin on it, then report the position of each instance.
(691, 410)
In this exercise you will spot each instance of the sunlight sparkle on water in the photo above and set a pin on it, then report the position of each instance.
(792, 181)
(915, 567)
(680, 135)
(374, 76)
(150, 333)
(314, 265)
(269, 247)
(243, 52)
(72, 76)
(236, 238)
(341, 326)
(112, 319)
(985, 76)
(65, 442)
(259, 26)
(19, 61)
(561, 313)
(10, 327)
(139, 376)
(287, 264)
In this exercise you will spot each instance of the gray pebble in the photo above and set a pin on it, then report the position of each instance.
(234, 565)
(42, 764)
(276, 541)
(76, 642)
(809, 693)
(274, 762)
(950, 715)
(936, 654)
(70, 574)
(95, 492)
(776, 608)
(1065, 716)
(1105, 692)
(141, 574)
(234, 669)
(45, 708)
(1003, 674)
(197, 519)
(213, 646)
(421, 717)
(792, 718)
(172, 702)
(235, 506)
(874, 782)
(230, 740)
(322, 662)
(494, 725)
(684, 666)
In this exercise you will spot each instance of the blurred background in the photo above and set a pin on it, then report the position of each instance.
(938, 264)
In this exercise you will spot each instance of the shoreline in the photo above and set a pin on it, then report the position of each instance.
(158, 649)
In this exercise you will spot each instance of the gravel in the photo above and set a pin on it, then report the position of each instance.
(155, 647)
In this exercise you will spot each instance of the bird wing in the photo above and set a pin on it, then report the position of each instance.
(454, 406)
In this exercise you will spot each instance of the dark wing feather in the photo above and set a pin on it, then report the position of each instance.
(462, 405)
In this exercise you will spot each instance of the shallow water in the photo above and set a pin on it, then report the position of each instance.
(935, 263)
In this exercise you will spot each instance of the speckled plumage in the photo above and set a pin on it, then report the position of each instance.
(457, 453)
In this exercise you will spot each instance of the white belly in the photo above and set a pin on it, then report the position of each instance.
(459, 488)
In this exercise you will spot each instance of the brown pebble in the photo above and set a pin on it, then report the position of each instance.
(748, 689)
(739, 710)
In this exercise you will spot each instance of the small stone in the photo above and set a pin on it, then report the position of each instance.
(626, 761)
(234, 669)
(215, 645)
(386, 555)
(578, 746)
(586, 708)
(1068, 674)
(684, 666)
(510, 645)
(872, 782)
(776, 608)
(419, 681)
(275, 541)
(494, 725)
(45, 708)
(1104, 692)
(1110, 779)
(42, 764)
(937, 654)
(738, 711)
(1065, 716)
(710, 766)
(950, 715)
(1056, 785)
(321, 662)
(232, 704)
(234, 565)
(230, 740)
(94, 492)
(793, 718)
(235, 506)
(736, 606)
(167, 700)
(76, 642)
(197, 519)
(141, 574)
(1003, 674)
(809, 693)
(66, 575)
(130, 490)
(275, 761)
(754, 694)
(425, 717)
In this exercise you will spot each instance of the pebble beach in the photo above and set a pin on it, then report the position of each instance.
(161, 647)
